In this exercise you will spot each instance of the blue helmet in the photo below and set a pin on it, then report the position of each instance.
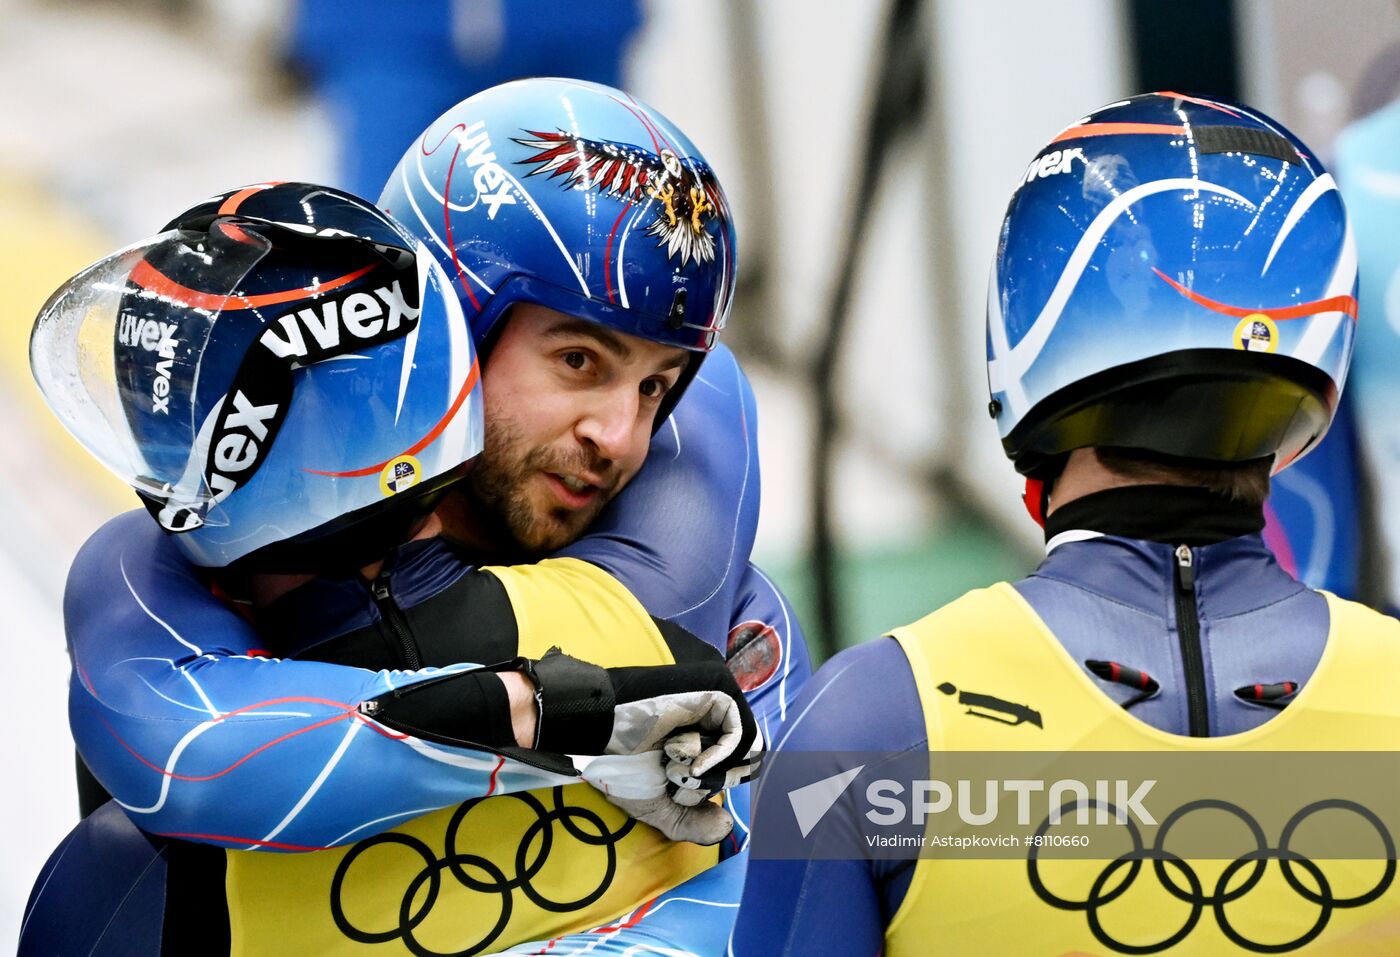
(283, 374)
(1177, 275)
(577, 197)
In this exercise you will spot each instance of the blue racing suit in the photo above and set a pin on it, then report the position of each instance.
(200, 731)
(1107, 589)
(1314, 521)
(1368, 169)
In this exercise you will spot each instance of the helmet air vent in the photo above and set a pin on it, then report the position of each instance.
(1245, 139)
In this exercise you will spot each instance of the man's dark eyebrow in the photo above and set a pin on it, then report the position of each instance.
(605, 337)
(677, 361)
(608, 339)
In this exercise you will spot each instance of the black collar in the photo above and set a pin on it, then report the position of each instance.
(1179, 514)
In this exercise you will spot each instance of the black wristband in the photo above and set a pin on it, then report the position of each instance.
(576, 704)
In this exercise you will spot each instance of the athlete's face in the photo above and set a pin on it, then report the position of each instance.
(570, 406)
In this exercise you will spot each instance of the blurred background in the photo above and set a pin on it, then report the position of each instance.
(868, 149)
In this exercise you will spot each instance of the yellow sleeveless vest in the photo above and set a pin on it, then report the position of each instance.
(490, 873)
(992, 639)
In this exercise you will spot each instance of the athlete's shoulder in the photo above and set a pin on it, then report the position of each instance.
(130, 533)
(977, 608)
(556, 579)
(100, 893)
(591, 614)
(1348, 616)
(723, 377)
(863, 699)
(133, 527)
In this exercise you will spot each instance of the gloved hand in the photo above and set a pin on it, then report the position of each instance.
(695, 775)
(705, 823)
(637, 784)
(585, 709)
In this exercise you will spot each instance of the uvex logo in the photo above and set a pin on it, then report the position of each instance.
(240, 442)
(493, 187)
(1052, 163)
(158, 337)
(149, 334)
(360, 319)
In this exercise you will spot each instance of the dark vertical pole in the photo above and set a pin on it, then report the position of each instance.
(1185, 46)
(755, 335)
(896, 107)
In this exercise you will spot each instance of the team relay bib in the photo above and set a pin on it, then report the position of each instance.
(493, 872)
(1266, 900)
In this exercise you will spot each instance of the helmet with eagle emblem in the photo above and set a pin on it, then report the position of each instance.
(578, 197)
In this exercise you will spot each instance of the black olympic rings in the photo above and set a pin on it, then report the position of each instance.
(495, 882)
(1164, 863)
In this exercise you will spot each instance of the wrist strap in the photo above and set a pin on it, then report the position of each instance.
(576, 703)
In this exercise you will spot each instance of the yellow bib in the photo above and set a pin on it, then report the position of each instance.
(992, 639)
(488, 873)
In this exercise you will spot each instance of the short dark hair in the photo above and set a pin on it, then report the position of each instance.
(1243, 482)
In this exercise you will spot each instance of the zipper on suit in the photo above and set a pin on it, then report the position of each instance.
(394, 619)
(1188, 632)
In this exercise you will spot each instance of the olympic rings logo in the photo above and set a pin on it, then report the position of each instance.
(531, 854)
(1172, 872)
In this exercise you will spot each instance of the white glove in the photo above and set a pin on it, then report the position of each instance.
(637, 784)
(585, 709)
(647, 724)
(689, 767)
(705, 823)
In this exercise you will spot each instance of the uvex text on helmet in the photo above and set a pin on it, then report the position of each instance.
(283, 374)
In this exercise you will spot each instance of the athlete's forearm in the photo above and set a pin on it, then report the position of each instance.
(524, 710)
(184, 720)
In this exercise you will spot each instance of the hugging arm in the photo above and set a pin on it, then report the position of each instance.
(197, 733)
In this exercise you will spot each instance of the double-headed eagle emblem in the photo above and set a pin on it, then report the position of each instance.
(684, 190)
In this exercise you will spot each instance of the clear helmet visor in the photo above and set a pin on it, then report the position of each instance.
(118, 354)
